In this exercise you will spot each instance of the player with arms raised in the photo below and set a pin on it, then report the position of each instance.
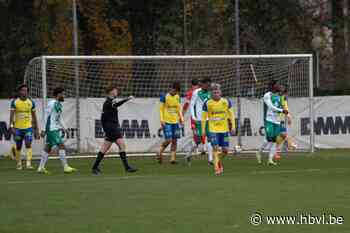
(170, 118)
(22, 121)
(218, 115)
(53, 130)
(199, 97)
(111, 127)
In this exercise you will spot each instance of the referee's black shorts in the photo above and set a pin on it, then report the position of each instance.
(112, 132)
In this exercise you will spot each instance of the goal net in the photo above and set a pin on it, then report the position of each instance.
(243, 78)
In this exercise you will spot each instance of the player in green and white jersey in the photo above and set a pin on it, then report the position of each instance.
(272, 121)
(53, 130)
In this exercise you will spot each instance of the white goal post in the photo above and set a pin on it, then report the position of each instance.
(244, 79)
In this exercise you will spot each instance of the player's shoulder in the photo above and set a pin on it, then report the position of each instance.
(162, 97)
(31, 100)
(14, 102)
(208, 101)
(51, 103)
(267, 94)
(15, 99)
(108, 100)
(227, 101)
(196, 91)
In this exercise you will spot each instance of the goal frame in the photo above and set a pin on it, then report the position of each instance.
(44, 60)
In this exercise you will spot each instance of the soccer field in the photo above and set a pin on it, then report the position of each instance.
(176, 198)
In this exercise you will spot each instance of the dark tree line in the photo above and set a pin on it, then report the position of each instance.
(118, 27)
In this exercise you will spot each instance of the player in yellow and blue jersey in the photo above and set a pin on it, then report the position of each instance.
(22, 121)
(170, 119)
(218, 112)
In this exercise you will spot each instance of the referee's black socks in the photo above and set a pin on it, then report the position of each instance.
(98, 160)
(124, 159)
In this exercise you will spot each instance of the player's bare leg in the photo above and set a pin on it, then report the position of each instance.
(223, 154)
(121, 144)
(216, 159)
(173, 151)
(164, 145)
(279, 141)
(291, 144)
(12, 153)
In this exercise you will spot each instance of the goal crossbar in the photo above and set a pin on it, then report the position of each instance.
(184, 57)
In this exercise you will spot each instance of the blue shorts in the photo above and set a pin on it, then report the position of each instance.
(23, 134)
(171, 131)
(219, 139)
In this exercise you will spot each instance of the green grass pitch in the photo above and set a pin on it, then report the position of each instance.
(176, 198)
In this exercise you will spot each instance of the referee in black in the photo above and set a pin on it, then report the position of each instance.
(110, 125)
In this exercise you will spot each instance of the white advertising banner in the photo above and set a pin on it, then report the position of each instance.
(139, 121)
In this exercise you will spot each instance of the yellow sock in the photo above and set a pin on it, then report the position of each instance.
(173, 155)
(279, 140)
(13, 152)
(162, 149)
(291, 143)
(222, 156)
(29, 154)
(216, 159)
(18, 156)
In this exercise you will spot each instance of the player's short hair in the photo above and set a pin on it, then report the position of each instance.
(57, 91)
(215, 86)
(272, 83)
(194, 82)
(110, 87)
(22, 86)
(176, 86)
(206, 80)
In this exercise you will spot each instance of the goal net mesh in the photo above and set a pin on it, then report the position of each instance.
(149, 77)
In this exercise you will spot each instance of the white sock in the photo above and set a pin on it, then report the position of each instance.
(272, 151)
(264, 146)
(200, 147)
(210, 152)
(193, 147)
(62, 154)
(43, 160)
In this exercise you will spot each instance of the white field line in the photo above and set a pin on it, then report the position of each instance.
(111, 178)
